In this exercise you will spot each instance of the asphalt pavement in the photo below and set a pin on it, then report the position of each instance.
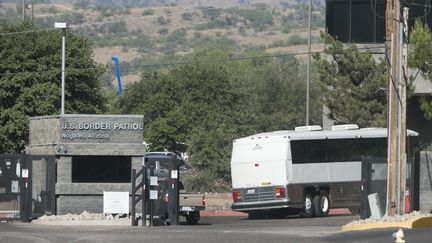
(210, 229)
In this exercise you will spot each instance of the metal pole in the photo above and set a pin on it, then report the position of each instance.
(133, 213)
(31, 16)
(308, 63)
(23, 10)
(63, 70)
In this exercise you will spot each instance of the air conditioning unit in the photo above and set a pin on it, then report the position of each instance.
(345, 127)
(308, 128)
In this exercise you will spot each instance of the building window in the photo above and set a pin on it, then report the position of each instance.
(101, 169)
(363, 21)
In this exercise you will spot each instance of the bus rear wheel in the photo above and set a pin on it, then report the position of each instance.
(321, 204)
(308, 209)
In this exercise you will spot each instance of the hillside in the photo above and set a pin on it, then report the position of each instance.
(155, 31)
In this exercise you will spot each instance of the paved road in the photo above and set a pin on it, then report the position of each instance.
(210, 229)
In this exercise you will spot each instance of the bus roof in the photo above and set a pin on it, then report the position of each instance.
(326, 134)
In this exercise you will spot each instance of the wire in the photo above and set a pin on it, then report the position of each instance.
(374, 9)
(427, 6)
(390, 74)
(182, 62)
(26, 32)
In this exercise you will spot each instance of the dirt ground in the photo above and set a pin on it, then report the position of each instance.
(218, 202)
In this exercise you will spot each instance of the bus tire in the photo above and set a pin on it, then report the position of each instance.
(308, 209)
(321, 204)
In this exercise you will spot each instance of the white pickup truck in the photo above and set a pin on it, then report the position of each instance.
(190, 205)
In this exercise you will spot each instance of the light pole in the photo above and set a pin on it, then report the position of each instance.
(63, 27)
(308, 62)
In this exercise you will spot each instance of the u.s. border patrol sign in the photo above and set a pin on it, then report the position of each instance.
(101, 129)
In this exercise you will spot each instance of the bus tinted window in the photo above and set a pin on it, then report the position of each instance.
(305, 151)
(353, 149)
(375, 147)
(337, 150)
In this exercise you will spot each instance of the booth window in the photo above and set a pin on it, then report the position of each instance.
(101, 169)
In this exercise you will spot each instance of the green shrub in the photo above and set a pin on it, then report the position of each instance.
(163, 31)
(163, 21)
(297, 40)
(187, 16)
(204, 181)
(147, 12)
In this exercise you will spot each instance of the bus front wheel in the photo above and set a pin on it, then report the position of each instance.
(321, 204)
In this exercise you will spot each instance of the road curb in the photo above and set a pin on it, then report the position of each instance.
(420, 222)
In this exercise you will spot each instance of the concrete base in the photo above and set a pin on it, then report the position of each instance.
(420, 222)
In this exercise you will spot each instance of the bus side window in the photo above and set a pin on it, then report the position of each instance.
(375, 147)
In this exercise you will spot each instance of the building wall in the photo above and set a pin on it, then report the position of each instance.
(77, 197)
(67, 136)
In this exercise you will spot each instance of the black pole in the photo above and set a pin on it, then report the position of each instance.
(133, 223)
(143, 194)
(148, 198)
(173, 190)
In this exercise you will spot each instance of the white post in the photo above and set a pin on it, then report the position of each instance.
(63, 27)
(63, 70)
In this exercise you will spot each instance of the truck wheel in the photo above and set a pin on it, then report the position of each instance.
(308, 208)
(191, 220)
(256, 215)
(321, 204)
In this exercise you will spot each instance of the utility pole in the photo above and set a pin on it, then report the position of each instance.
(392, 36)
(308, 62)
(404, 78)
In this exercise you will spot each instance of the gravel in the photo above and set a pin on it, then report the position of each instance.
(396, 218)
(85, 218)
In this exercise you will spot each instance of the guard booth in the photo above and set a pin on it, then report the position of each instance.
(160, 197)
(374, 181)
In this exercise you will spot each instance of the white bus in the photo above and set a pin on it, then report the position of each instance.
(308, 170)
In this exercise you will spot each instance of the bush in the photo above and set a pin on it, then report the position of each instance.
(116, 27)
(51, 10)
(163, 31)
(162, 21)
(297, 40)
(204, 181)
(187, 16)
(147, 12)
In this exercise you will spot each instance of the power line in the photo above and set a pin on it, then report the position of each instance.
(26, 32)
(391, 76)
(164, 64)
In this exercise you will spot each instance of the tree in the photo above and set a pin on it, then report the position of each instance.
(420, 54)
(353, 85)
(200, 108)
(30, 80)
